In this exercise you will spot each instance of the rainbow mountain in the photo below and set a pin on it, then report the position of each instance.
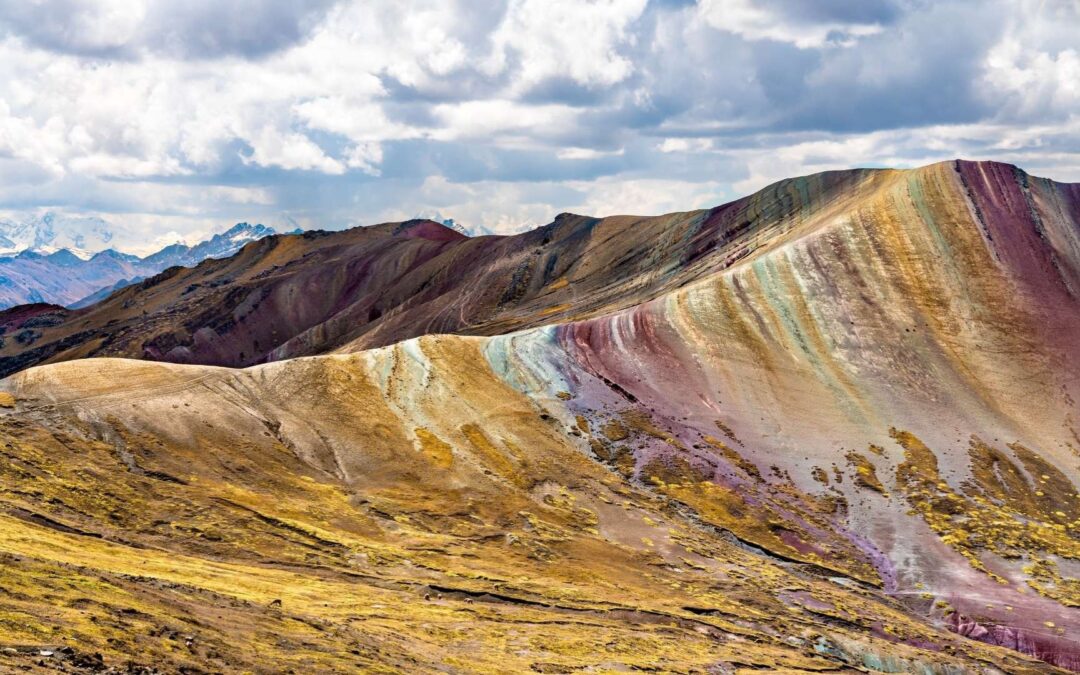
(828, 427)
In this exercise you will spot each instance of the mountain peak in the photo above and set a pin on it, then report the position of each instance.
(231, 240)
(64, 256)
(245, 228)
(50, 231)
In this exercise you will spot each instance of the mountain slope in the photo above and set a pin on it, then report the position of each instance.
(840, 434)
(299, 295)
(924, 347)
(402, 509)
(64, 278)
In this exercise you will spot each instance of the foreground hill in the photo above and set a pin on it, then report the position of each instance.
(854, 447)
(409, 510)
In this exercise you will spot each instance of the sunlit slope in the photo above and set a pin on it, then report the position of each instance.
(407, 510)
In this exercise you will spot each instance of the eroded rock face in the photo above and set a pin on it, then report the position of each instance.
(854, 446)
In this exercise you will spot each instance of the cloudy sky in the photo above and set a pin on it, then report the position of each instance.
(176, 119)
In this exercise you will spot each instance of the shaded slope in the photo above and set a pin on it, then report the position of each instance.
(291, 296)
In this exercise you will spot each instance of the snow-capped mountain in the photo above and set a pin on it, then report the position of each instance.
(50, 232)
(44, 273)
(455, 226)
(467, 230)
(218, 246)
(232, 240)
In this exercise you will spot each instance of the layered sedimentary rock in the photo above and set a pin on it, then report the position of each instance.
(299, 295)
(852, 443)
(917, 361)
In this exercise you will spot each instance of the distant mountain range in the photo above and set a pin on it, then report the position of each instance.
(50, 259)
(51, 232)
(467, 230)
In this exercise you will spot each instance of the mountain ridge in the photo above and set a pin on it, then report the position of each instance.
(523, 288)
(391, 315)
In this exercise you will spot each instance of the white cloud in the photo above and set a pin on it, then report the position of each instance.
(756, 21)
(684, 145)
(646, 196)
(240, 195)
(194, 28)
(125, 166)
(272, 148)
(1031, 81)
(587, 153)
(366, 157)
(155, 112)
(79, 25)
(501, 117)
(565, 38)
(357, 119)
